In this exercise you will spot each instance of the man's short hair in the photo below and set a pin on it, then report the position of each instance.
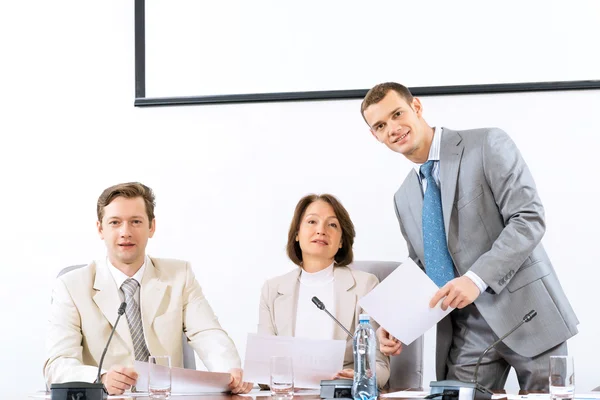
(128, 190)
(344, 255)
(378, 92)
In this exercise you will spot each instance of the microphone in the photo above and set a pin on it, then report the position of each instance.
(334, 388)
(121, 311)
(86, 390)
(528, 317)
(453, 390)
(321, 306)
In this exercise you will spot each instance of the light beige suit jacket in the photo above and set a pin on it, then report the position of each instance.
(84, 308)
(279, 303)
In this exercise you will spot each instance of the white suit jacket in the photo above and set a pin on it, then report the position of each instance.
(279, 303)
(84, 308)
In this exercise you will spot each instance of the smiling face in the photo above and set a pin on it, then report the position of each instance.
(400, 126)
(125, 229)
(319, 233)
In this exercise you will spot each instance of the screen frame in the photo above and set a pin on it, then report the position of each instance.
(142, 101)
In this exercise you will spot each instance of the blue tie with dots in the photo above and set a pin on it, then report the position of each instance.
(438, 263)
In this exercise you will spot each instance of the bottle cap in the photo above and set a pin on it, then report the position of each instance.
(364, 317)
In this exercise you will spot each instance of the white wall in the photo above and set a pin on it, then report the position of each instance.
(227, 177)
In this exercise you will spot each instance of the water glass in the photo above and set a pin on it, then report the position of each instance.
(282, 378)
(562, 377)
(159, 377)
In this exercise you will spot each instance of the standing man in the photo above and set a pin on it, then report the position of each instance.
(163, 300)
(472, 219)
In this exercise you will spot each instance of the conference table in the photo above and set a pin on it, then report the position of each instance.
(263, 395)
(305, 394)
(223, 396)
(266, 396)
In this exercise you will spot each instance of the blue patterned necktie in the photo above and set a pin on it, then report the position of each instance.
(438, 263)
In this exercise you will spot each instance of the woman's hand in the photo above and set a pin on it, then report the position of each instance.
(345, 374)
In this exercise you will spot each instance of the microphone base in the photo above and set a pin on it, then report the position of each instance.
(336, 389)
(78, 391)
(455, 390)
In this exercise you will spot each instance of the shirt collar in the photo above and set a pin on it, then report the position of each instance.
(319, 277)
(434, 150)
(120, 277)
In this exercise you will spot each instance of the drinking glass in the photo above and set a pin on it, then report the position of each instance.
(562, 377)
(159, 377)
(282, 378)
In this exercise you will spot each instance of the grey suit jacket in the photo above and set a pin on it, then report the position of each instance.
(279, 302)
(494, 223)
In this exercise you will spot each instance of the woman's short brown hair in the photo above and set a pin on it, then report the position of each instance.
(344, 255)
(128, 190)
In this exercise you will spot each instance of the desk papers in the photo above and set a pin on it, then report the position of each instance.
(409, 394)
(254, 393)
(406, 394)
(313, 360)
(400, 304)
(186, 381)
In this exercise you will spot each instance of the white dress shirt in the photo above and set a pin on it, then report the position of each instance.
(434, 154)
(312, 323)
(120, 277)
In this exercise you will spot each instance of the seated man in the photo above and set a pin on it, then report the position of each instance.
(163, 300)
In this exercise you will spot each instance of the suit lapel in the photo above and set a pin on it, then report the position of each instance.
(108, 301)
(345, 300)
(152, 293)
(451, 151)
(415, 201)
(286, 304)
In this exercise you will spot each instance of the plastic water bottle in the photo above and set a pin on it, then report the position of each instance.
(364, 386)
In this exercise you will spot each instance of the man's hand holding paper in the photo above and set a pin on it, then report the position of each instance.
(458, 293)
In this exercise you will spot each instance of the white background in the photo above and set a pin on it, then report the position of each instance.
(227, 177)
(240, 46)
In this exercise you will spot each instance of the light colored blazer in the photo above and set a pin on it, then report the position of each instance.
(494, 222)
(279, 301)
(84, 308)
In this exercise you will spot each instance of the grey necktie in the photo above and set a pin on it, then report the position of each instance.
(134, 319)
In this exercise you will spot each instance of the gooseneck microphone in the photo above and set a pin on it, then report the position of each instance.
(121, 311)
(453, 389)
(321, 306)
(528, 317)
(86, 390)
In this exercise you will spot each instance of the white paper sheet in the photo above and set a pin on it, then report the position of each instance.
(406, 394)
(254, 393)
(124, 396)
(314, 360)
(186, 381)
(542, 396)
(414, 394)
(400, 304)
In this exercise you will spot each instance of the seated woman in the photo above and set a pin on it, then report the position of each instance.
(320, 242)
